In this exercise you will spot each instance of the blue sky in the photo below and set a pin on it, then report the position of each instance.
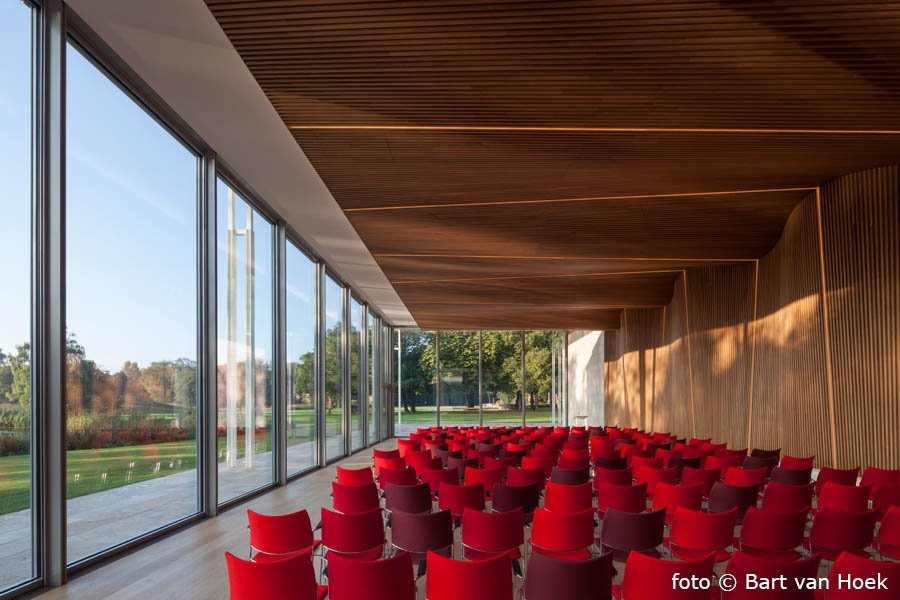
(131, 223)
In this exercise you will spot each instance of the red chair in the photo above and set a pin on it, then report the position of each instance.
(354, 499)
(414, 457)
(632, 532)
(613, 476)
(639, 462)
(835, 531)
(742, 566)
(291, 576)
(434, 477)
(281, 534)
(652, 476)
(521, 477)
(584, 454)
(354, 476)
(549, 578)
(486, 477)
(787, 498)
(670, 497)
(568, 536)
(628, 498)
(404, 446)
(695, 534)
(699, 441)
(797, 463)
(705, 477)
(456, 498)
(405, 476)
(616, 463)
(448, 579)
(407, 498)
(884, 497)
(722, 463)
(648, 578)
(888, 542)
(724, 497)
(502, 463)
(485, 535)
(842, 476)
(505, 498)
(844, 497)
(569, 498)
(745, 477)
(386, 579)
(421, 533)
(877, 477)
(571, 476)
(760, 453)
(360, 537)
(395, 453)
(849, 565)
(388, 463)
(668, 455)
(460, 464)
(538, 462)
(773, 535)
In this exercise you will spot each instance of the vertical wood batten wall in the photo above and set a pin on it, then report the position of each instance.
(739, 353)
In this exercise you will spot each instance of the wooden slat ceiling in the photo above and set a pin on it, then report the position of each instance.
(546, 164)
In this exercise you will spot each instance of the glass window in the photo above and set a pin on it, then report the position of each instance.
(502, 377)
(334, 368)
(539, 376)
(416, 375)
(356, 355)
(301, 360)
(244, 344)
(131, 306)
(459, 377)
(16, 51)
(388, 358)
(371, 392)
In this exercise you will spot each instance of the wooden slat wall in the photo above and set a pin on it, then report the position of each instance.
(782, 351)
(790, 393)
(720, 307)
(861, 222)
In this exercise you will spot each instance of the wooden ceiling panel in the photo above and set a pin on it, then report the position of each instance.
(726, 227)
(657, 111)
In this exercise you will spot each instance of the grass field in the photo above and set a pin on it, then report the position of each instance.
(427, 415)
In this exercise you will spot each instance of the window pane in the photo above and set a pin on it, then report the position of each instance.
(539, 376)
(131, 305)
(459, 377)
(301, 356)
(334, 360)
(389, 356)
(16, 46)
(355, 374)
(244, 346)
(502, 377)
(416, 374)
(371, 342)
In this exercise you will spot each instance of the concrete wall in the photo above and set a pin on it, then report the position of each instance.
(585, 383)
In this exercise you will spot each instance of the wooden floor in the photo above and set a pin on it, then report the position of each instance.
(190, 563)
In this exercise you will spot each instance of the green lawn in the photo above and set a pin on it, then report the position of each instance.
(426, 415)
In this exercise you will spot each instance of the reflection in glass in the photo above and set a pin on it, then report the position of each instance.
(131, 305)
(502, 377)
(356, 428)
(334, 360)
(416, 375)
(300, 336)
(459, 377)
(244, 348)
(539, 376)
(371, 343)
(16, 49)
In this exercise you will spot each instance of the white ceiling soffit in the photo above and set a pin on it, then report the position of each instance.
(179, 50)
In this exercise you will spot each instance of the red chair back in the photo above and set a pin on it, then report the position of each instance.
(743, 565)
(889, 533)
(829, 475)
(280, 534)
(628, 498)
(877, 477)
(354, 476)
(434, 477)
(741, 476)
(835, 531)
(670, 497)
(358, 536)
(385, 579)
(407, 498)
(648, 578)
(520, 477)
(773, 535)
(782, 497)
(486, 477)
(695, 533)
(706, 477)
(844, 497)
(456, 498)
(722, 463)
(395, 453)
(568, 498)
(614, 476)
(405, 476)
(292, 576)
(884, 497)
(487, 534)
(652, 476)
(448, 579)
(797, 463)
(790, 476)
(388, 463)
(538, 462)
(563, 535)
(849, 565)
(549, 578)
(354, 499)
